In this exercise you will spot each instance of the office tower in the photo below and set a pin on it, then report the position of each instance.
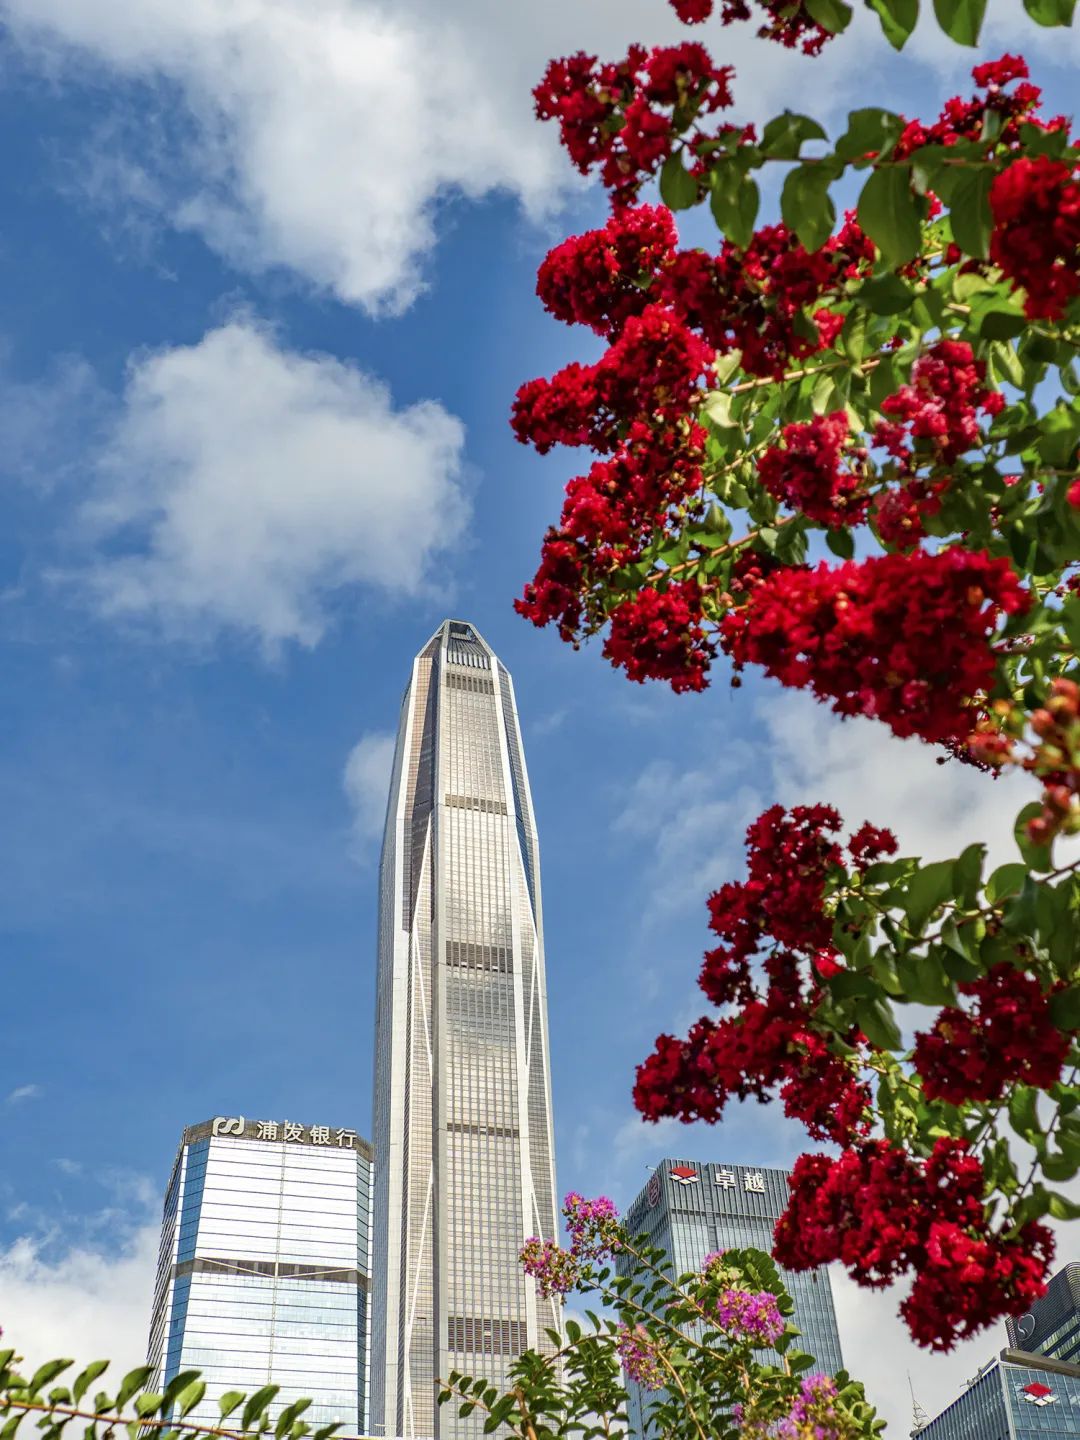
(1052, 1325)
(263, 1270)
(1014, 1397)
(689, 1210)
(463, 1141)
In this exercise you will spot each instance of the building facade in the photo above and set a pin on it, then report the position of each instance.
(263, 1271)
(1052, 1325)
(1015, 1397)
(462, 1131)
(690, 1209)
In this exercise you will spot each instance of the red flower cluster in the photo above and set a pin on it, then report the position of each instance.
(966, 119)
(902, 638)
(755, 300)
(899, 512)
(1036, 237)
(788, 862)
(692, 12)
(788, 21)
(652, 370)
(881, 1213)
(806, 473)
(623, 119)
(599, 279)
(1009, 1037)
(771, 1044)
(658, 635)
(940, 404)
(765, 1048)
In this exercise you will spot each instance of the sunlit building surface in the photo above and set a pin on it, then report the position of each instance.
(463, 1135)
(689, 1210)
(1015, 1397)
(263, 1271)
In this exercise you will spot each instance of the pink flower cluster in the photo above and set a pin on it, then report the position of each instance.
(749, 1315)
(593, 1226)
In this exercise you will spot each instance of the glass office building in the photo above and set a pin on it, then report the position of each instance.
(689, 1209)
(463, 1137)
(263, 1270)
(1052, 1325)
(1015, 1397)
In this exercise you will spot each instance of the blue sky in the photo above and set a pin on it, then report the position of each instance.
(267, 293)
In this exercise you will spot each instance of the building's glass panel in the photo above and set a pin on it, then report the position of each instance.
(462, 1095)
(690, 1210)
(264, 1279)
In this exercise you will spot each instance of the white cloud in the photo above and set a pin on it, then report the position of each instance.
(83, 1301)
(325, 135)
(242, 482)
(366, 782)
(24, 1092)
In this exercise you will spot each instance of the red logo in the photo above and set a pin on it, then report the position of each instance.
(1036, 1394)
(684, 1174)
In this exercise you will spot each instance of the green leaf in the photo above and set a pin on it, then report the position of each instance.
(969, 211)
(229, 1401)
(1023, 1112)
(806, 205)
(1051, 12)
(190, 1397)
(875, 1019)
(897, 18)
(734, 199)
(1037, 856)
(928, 888)
(87, 1378)
(832, 15)
(888, 213)
(1020, 916)
(783, 136)
(1001, 324)
(257, 1404)
(147, 1404)
(885, 295)
(961, 19)
(132, 1381)
(1065, 1008)
(44, 1373)
(678, 188)
(1062, 1208)
(841, 542)
(1006, 880)
(870, 131)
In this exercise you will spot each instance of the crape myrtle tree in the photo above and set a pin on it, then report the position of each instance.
(892, 389)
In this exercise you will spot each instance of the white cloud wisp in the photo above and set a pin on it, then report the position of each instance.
(243, 482)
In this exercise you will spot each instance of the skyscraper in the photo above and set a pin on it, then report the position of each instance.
(263, 1268)
(463, 1137)
(688, 1210)
(1052, 1325)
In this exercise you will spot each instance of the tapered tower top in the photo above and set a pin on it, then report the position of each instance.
(462, 640)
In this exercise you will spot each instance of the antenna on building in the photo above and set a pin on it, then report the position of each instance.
(919, 1418)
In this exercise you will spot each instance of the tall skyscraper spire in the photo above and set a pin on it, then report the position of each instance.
(463, 1137)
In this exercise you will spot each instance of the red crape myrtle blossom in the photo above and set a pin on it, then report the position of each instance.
(806, 473)
(966, 119)
(881, 1212)
(1036, 237)
(588, 97)
(940, 405)
(1008, 1037)
(766, 1048)
(902, 638)
(652, 370)
(658, 635)
(771, 1043)
(789, 22)
(899, 512)
(596, 279)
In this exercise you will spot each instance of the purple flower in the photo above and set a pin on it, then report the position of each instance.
(753, 1316)
(592, 1225)
(555, 1270)
(639, 1357)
